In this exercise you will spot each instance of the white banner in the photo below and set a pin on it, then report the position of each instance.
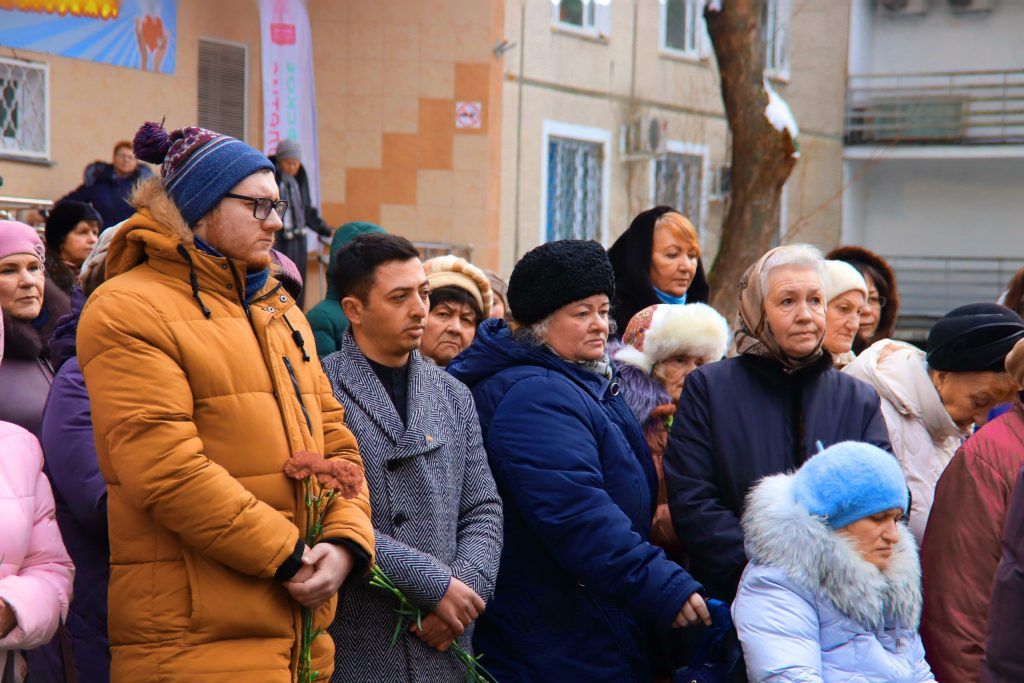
(289, 96)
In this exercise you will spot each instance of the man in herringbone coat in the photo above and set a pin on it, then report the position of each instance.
(437, 516)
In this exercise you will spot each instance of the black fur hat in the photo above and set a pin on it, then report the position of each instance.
(555, 274)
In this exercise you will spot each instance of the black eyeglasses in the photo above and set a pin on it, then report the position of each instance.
(261, 206)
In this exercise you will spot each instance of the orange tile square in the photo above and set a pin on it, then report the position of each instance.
(399, 150)
(363, 186)
(398, 185)
(435, 151)
(437, 116)
(472, 81)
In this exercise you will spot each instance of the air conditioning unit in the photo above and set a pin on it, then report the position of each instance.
(966, 6)
(646, 136)
(905, 8)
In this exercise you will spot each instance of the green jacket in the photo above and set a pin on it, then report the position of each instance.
(326, 318)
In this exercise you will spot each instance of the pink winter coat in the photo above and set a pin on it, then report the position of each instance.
(35, 570)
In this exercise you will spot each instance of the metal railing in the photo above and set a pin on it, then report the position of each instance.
(966, 107)
(930, 287)
(17, 208)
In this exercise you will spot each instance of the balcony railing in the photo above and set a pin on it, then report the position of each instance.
(959, 108)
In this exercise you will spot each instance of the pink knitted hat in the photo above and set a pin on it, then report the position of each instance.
(18, 238)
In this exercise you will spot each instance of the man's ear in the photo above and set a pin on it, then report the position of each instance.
(353, 309)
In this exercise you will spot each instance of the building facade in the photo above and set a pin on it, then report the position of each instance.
(935, 148)
(490, 125)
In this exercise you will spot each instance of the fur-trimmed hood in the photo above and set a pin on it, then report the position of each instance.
(779, 532)
(159, 231)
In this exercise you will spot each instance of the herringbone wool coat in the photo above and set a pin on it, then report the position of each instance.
(436, 514)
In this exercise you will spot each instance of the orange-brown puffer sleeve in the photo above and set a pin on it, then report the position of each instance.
(347, 519)
(148, 444)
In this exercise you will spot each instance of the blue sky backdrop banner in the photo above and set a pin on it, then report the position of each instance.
(138, 34)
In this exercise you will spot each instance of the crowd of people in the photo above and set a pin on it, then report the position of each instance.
(583, 474)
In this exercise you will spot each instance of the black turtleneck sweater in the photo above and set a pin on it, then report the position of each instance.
(396, 384)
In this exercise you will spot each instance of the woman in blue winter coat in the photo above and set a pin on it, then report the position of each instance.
(832, 592)
(580, 584)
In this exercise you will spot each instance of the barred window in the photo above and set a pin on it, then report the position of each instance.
(682, 27)
(574, 192)
(24, 109)
(222, 87)
(679, 182)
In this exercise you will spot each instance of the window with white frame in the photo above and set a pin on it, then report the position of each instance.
(575, 189)
(679, 183)
(775, 15)
(682, 27)
(590, 17)
(24, 109)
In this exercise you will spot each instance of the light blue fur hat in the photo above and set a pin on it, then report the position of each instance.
(850, 481)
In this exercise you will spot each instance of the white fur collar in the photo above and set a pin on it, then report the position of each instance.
(779, 532)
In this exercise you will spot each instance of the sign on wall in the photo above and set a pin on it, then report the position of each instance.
(289, 95)
(138, 34)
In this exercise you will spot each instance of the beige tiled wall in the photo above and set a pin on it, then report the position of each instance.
(395, 77)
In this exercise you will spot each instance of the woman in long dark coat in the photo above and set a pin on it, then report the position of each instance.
(656, 261)
(760, 413)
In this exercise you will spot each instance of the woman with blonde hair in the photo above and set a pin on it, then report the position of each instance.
(656, 261)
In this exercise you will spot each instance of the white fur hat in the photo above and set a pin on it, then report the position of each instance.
(841, 277)
(665, 330)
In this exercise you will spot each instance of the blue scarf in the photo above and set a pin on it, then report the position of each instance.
(668, 298)
(254, 282)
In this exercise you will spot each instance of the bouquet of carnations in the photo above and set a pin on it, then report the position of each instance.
(409, 613)
(321, 479)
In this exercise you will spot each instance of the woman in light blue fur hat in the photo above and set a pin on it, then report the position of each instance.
(832, 591)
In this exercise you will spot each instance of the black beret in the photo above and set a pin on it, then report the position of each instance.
(555, 274)
(974, 338)
(62, 220)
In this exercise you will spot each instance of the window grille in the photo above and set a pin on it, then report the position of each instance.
(679, 183)
(574, 189)
(24, 109)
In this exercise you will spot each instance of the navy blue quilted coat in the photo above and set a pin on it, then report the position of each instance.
(579, 582)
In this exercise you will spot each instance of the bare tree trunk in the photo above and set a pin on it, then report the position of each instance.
(762, 157)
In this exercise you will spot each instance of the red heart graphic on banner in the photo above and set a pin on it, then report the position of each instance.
(152, 30)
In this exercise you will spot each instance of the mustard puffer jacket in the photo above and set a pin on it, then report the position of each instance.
(196, 406)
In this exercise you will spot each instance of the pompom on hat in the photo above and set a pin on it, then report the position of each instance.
(455, 271)
(850, 481)
(198, 166)
(841, 277)
(974, 338)
(18, 238)
(661, 331)
(556, 274)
